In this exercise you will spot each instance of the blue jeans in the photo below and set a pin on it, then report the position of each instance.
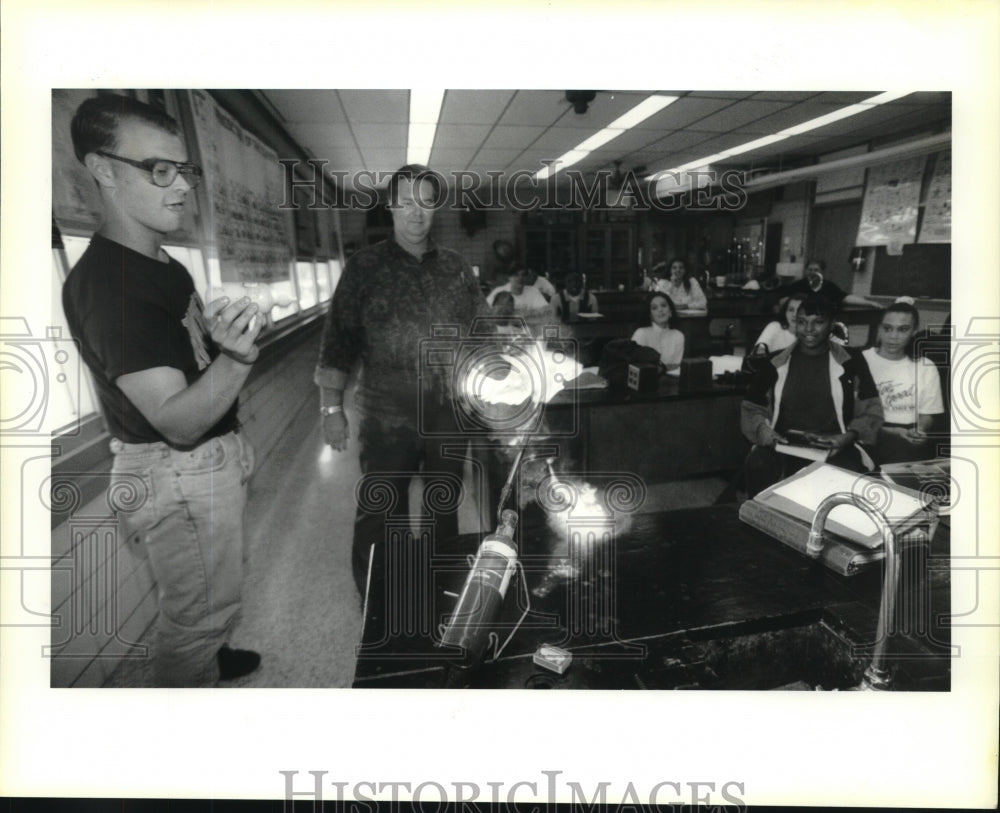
(184, 511)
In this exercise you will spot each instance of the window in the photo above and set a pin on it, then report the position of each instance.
(57, 362)
(305, 273)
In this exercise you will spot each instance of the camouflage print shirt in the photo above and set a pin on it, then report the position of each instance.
(386, 305)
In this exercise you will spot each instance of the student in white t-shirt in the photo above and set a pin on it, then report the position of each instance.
(527, 299)
(910, 388)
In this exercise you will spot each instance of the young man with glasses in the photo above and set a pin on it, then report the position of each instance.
(168, 378)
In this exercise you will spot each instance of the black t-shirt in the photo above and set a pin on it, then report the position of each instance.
(806, 399)
(130, 313)
(829, 290)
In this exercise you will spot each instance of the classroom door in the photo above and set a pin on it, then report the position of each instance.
(835, 228)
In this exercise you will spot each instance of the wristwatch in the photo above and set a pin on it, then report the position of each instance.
(331, 410)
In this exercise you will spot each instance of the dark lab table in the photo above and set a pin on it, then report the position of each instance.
(642, 610)
(676, 431)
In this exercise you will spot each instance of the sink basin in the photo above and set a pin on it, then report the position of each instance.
(805, 658)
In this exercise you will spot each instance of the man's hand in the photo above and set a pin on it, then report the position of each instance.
(232, 329)
(909, 434)
(835, 443)
(335, 430)
(775, 439)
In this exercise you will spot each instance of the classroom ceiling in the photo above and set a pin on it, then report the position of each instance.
(510, 130)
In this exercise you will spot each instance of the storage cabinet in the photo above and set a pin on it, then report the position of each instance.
(608, 255)
(551, 250)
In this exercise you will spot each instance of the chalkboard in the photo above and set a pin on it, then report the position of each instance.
(923, 269)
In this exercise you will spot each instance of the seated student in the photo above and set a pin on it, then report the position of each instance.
(573, 299)
(683, 289)
(659, 334)
(813, 282)
(527, 299)
(541, 282)
(779, 334)
(503, 305)
(910, 388)
(813, 387)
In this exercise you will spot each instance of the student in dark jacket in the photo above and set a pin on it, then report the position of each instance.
(814, 387)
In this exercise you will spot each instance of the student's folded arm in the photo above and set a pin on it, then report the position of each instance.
(868, 413)
(180, 412)
(755, 423)
(698, 299)
(868, 419)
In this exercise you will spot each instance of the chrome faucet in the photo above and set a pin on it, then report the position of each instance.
(877, 675)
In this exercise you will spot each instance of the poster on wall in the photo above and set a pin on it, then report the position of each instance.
(249, 233)
(889, 212)
(936, 226)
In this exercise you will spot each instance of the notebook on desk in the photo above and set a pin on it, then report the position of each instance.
(852, 540)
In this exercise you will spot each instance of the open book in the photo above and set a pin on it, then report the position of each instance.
(802, 444)
(852, 540)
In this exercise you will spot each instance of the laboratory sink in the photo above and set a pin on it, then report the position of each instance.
(808, 657)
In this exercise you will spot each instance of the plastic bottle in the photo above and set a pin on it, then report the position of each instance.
(483, 594)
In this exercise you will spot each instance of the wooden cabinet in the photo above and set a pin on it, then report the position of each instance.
(551, 250)
(608, 255)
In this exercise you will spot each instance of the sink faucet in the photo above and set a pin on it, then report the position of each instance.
(877, 675)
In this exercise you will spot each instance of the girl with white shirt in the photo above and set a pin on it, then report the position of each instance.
(683, 290)
(659, 335)
(910, 388)
(780, 334)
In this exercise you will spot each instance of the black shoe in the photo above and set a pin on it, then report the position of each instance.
(235, 663)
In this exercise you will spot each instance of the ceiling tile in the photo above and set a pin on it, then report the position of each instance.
(474, 106)
(535, 108)
(784, 95)
(460, 136)
(495, 159)
(381, 135)
(306, 105)
(928, 97)
(737, 115)
(384, 160)
(678, 141)
(845, 97)
(723, 94)
(321, 136)
(632, 140)
(789, 117)
(447, 158)
(377, 106)
(509, 137)
(683, 113)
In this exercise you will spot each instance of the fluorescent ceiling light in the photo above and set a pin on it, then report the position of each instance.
(563, 161)
(829, 118)
(888, 96)
(599, 139)
(798, 129)
(642, 111)
(425, 107)
(756, 145)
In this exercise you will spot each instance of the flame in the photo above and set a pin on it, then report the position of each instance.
(585, 511)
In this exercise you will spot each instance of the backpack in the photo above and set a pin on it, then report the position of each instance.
(618, 354)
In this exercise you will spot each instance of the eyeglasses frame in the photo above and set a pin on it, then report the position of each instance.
(185, 168)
